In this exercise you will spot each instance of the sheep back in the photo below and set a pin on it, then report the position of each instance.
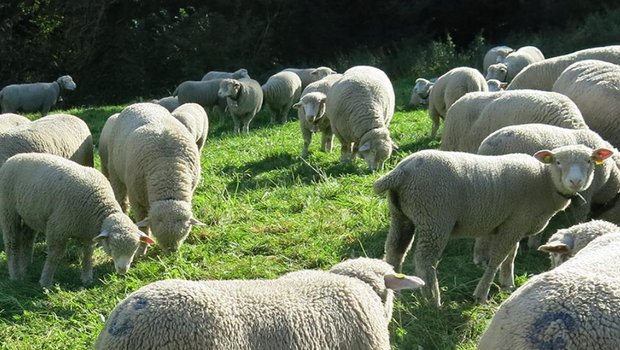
(202, 92)
(195, 119)
(495, 54)
(280, 92)
(9, 120)
(170, 102)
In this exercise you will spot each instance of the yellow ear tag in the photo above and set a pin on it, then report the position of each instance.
(598, 162)
(399, 275)
(547, 159)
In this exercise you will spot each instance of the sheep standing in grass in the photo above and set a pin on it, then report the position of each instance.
(514, 63)
(170, 103)
(594, 86)
(151, 159)
(449, 88)
(348, 308)
(9, 120)
(216, 75)
(195, 119)
(35, 97)
(496, 54)
(47, 193)
(477, 115)
(310, 75)
(420, 92)
(244, 98)
(574, 306)
(202, 92)
(542, 75)
(437, 195)
(279, 93)
(360, 106)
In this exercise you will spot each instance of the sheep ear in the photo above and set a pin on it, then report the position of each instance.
(599, 155)
(144, 223)
(545, 156)
(297, 105)
(146, 239)
(195, 222)
(555, 247)
(314, 72)
(103, 235)
(398, 281)
(363, 148)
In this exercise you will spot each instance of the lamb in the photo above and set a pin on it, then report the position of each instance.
(50, 194)
(310, 75)
(151, 159)
(348, 307)
(61, 134)
(311, 113)
(476, 115)
(9, 120)
(280, 92)
(565, 243)
(360, 106)
(574, 306)
(217, 75)
(35, 97)
(541, 75)
(496, 54)
(514, 63)
(449, 88)
(195, 119)
(594, 86)
(244, 98)
(170, 102)
(499, 198)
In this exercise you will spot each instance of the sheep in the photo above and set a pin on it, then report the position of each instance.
(244, 98)
(496, 54)
(541, 75)
(61, 134)
(311, 113)
(195, 119)
(310, 75)
(348, 307)
(514, 63)
(151, 159)
(170, 102)
(202, 92)
(494, 85)
(420, 92)
(50, 194)
(500, 198)
(360, 106)
(217, 75)
(594, 86)
(574, 306)
(280, 92)
(565, 243)
(9, 120)
(478, 114)
(449, 88)
(35, 97)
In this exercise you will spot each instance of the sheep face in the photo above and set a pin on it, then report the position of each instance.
(423, 87)
(321, 73)
(375, 151)
(229, 88)
(560, 249)
(66, 82)
(495, 85)
(313, 106)
(497, 71)
(170, 221)
(120, 238)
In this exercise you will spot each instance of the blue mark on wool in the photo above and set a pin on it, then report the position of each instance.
(140, 303)
(536, 335)
(120, 327)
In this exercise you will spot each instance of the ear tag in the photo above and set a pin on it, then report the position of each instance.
(547, 158)
(399, 276)
(599, 162)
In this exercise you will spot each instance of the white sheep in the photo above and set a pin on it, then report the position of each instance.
(541, 75)
(565, 243)
(476, 115)
(421, 90)
(495, 54)
(238, 74)
(594, 86)
(279, 93)
(514, 63)
(195, 119)
(449, 88)
(61, 134)
(311, 113)
(244, 98)
(151, 159)
(494, 85)
(35, 97)
(574, 306)
(50, 194)
(360, 106)
(437, 195)
(170, 102)
(348, 308)
(9, 120)
(310, 75)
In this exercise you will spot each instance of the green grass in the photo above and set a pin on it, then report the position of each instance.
(267, 212)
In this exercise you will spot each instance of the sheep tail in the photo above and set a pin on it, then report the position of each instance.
(388, 181)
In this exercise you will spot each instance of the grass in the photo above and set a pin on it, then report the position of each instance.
(267, 212)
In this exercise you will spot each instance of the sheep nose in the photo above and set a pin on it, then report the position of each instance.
(576, 182)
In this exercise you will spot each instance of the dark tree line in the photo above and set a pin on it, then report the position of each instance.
(117, 50)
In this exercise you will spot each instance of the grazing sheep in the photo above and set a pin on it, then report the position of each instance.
(202, 92)
(449, 88)
(565, 243)
(310, 75)
(280, 92)
(9, 120)
(476, 115)
(541, 75)
(151, 158)
(195, 119)
(514, 63)
(170, 103)
(348, 308)
(311, 113)
(594, 86)
(574, 306)
(496, 54)
(60, 134)
(34, 97)
(50, 194)
(360, 106)
(420, 92)
(244, 98)
(415, 101)
(500, 198)
(238, 74)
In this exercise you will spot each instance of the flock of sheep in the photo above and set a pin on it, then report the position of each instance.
(534, 137)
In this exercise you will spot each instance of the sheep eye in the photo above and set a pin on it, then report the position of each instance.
(557, 162)
(589, 161)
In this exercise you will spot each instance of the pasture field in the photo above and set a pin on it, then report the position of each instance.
(268, 212)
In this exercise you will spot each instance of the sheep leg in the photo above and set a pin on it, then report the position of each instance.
(307, 135)
(140, 213)
(499, 251)
(507, 270)
(28, 235)
(435, 118)
(284, 114)
(431, 243)
(55, 250)
(345, 150)
(236, 123)
(11, 223)
(87, 264)
(327, 141)
(120, 192)
(481, 252)
(533, 241)
(399, 239)
(246, 123)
